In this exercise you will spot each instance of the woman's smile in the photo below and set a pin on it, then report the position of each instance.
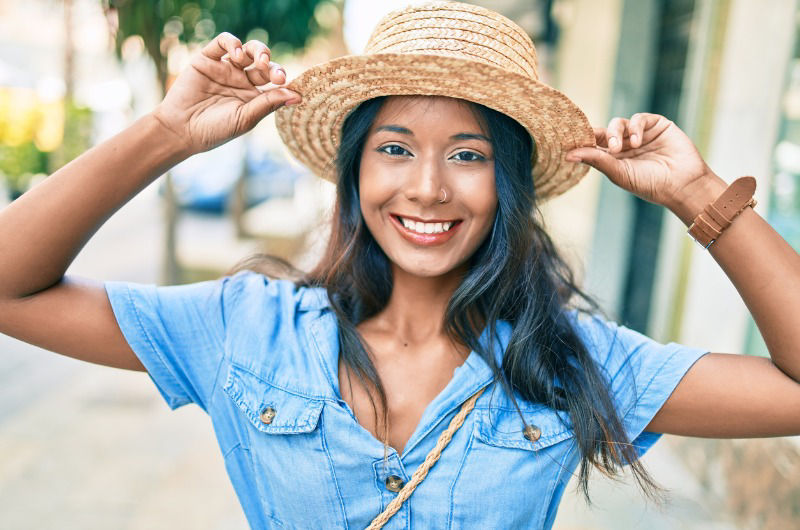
(425, 232)
(427, 176)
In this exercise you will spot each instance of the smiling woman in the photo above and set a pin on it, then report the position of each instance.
(436, 149)
(398, 158)
(440, 325)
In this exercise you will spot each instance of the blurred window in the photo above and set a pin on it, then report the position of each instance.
(674, 23)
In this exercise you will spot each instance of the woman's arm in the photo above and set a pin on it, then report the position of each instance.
(721, 395)
(733, 396)
(43, 230)
(212, 101)
(765, 270)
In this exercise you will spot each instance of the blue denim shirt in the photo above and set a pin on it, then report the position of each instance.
(243, 343)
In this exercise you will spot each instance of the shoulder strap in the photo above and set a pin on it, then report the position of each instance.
(422, 471)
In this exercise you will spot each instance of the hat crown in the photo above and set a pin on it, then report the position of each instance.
(455, 29)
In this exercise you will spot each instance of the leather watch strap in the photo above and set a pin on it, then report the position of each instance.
(718, 215)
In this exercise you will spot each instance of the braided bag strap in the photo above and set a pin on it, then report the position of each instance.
(422, 471)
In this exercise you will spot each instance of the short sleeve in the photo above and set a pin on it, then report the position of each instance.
(177, 332)
(642, 372)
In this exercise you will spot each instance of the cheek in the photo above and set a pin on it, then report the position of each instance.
(486, 221)
(488, 204)
(479, 196)
(481, 200)
(375, 189)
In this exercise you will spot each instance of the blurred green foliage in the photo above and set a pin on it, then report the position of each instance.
(20, 163)
(285, 23)
(77, 136)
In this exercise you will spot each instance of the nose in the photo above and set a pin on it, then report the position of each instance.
(424, 184)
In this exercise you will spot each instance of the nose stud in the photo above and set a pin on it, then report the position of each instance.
(444, 196)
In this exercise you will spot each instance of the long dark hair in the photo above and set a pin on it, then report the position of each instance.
(515, 275)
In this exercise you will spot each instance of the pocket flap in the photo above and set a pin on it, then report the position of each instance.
(289, 414)
(503, 427)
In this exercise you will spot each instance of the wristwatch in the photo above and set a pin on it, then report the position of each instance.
(718, 215)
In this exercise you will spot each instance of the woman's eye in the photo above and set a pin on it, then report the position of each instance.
(469, 156)
(393, 150)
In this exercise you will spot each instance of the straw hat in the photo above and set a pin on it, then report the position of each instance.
(440, 49)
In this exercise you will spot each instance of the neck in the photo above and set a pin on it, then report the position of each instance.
(417, 305)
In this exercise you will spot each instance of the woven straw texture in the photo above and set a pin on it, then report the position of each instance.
(440, 49)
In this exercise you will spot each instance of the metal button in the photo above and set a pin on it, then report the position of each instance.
(394, 483)
(267, 415)
(532, 433)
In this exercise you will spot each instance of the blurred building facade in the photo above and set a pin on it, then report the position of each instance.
(728, 73)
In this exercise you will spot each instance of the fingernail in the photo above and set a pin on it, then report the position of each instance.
(264, 58)
(612, 141)
(238, 53)
(573, 158)
(633, 138)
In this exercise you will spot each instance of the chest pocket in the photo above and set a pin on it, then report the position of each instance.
(271, 409)
(286, 452)
(521, 472)
(501, 427)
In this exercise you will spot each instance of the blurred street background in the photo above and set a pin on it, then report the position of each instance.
(89, 447)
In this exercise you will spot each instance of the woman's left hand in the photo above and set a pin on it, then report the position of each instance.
(647, 155)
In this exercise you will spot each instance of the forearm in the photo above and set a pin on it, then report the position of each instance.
(765, 271)
(43, 230)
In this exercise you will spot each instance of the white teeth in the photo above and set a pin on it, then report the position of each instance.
(426, 228)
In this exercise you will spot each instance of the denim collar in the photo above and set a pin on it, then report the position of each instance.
(467, 379)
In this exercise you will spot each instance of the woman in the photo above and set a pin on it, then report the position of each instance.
(440, 306)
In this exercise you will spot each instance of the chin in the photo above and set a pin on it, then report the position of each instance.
(426, 273)
(425, 270)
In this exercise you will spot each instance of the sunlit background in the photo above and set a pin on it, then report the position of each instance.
(84, 446)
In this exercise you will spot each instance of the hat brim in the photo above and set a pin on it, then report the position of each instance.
(311, 130)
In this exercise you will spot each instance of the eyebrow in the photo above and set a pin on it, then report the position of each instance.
(459, 136)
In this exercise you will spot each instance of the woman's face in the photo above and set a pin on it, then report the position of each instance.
(419, 150)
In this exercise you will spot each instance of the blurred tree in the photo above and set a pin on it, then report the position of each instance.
(169, 25)
(286, 24)
(69, 50)
(18, 164)
(77, 136)
(43, 129)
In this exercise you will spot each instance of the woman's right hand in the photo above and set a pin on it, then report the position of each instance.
(215, 99)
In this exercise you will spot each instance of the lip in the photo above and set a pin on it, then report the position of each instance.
(420, 220)
(427, 240)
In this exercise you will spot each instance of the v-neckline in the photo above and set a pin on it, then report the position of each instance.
(472, 375)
